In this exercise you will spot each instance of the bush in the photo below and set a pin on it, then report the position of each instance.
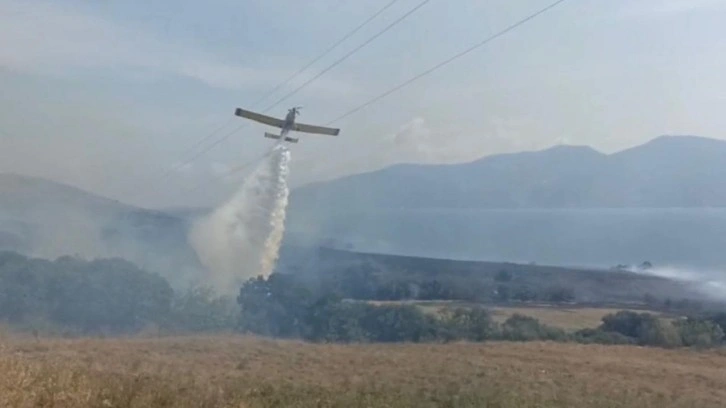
(110, 295)
(699, 333)
(648, 330)
(718, 319)
(398, 323)
(276, 306)
(525, 328)
(474, 324)
(626, 322)
(659, 333)
(598, 336)
(199, 310)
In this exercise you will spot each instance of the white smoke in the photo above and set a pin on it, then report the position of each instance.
(709, 283)
(241, 239)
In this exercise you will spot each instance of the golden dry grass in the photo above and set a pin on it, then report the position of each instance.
(228, 371)
(570, 319)
(567, 318)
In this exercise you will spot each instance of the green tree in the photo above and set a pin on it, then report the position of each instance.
(718, 318)
(398, 323)
(699, 332)
(474, 324)
(646, 329)
(331, 320)
(112, 295)
(626, 322)
(199, 309)
(23, 284)
(599, 336)
(275, 306)
(657, 332)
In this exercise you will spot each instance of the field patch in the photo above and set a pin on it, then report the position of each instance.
(235, 371)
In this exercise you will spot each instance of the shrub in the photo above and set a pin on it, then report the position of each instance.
(525, 328)
(699, 333)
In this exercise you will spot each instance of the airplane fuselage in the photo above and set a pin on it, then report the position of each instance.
(289, 122)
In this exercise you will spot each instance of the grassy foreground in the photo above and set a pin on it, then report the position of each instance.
(229, 371)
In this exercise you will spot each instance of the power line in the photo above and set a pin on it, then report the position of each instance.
(331, 48)
(440, 65)
(418, 76)
(447, 61)
(275, 89)
(308, 82)
(237, 169)
(199, 143)
(340, 60)
(210, 147)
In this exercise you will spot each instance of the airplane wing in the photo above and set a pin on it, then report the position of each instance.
(257, 117)
(301, 127)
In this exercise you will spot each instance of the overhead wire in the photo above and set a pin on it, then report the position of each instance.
(444, 63)
(232, 171)
(301, 70)
(346, 56)
(199, 143)
(447, 61)
(286, 81)
(311, 80)
(308, 82)
(440, 65)
(327, 51)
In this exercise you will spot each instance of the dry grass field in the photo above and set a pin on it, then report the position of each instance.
(229, 371)
(567, 318)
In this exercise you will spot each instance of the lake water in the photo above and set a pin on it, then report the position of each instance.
(680, 238)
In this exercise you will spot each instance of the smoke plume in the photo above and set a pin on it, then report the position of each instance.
(709, 283)
(241, 239)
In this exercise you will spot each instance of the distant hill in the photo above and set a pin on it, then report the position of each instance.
(669, 171)
(591, 285)
(48, 219)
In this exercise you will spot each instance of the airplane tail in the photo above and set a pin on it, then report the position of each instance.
(271, 135)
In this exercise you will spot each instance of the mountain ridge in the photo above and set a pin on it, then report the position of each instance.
(45, 218)
(668, 171)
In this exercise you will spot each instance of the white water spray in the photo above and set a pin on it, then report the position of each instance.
(241, 239)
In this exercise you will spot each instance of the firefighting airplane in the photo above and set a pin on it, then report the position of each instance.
(286, 125)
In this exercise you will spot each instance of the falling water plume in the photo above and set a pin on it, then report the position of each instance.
(241, 239)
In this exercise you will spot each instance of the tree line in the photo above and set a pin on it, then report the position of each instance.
(280, 307)
(112, 296)
(371, 281)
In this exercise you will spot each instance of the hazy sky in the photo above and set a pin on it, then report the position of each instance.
(107, 95)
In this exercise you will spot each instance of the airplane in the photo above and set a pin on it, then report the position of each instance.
(286, 125)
